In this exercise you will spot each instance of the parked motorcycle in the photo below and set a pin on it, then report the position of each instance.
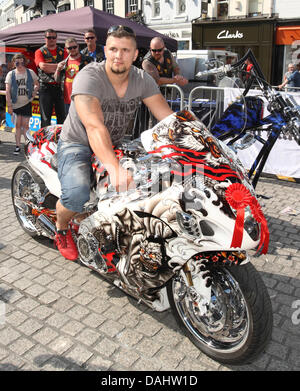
(179, 240)
(268, 109)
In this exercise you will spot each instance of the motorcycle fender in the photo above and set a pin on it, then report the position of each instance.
(48, 175)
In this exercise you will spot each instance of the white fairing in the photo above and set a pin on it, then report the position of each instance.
(48, 175)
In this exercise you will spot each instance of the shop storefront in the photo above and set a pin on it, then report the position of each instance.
(182, 34)
(238, 36)
(287, 46)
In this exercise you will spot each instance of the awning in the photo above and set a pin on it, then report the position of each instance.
(286, 35)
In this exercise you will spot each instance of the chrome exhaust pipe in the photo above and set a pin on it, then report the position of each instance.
(47, 225)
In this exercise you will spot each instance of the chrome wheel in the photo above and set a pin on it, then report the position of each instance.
(225, 325)
(25, 193)
(233, 324)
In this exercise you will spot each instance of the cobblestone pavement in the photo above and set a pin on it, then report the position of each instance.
(62, 316)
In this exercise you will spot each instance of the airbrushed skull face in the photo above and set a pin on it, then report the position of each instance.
(150, 255)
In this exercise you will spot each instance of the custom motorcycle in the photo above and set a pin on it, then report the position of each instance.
(269, 110)
(178, 240)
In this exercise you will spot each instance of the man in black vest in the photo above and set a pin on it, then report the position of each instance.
(50, 94)
(96, 52)
(161, 65)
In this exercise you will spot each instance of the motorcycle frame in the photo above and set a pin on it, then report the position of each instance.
(260, 161)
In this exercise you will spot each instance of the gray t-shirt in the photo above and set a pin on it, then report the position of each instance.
(118, 112)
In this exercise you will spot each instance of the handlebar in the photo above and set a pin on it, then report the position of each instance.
(277, 103)
(222, 70)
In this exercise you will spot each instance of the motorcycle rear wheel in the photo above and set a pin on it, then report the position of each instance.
(239, 324)
(22, 186)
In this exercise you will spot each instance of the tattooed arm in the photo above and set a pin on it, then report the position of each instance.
(90, 113)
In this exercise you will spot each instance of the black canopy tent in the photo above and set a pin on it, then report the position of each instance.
(73, 24)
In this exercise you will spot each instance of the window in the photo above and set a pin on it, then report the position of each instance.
(62, 8)
(181, 7)
(88, 3)
(223, 9)
(156, 7)
(255, 7)
(108, 6)
(132, 6)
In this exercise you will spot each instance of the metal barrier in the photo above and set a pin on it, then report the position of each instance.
(207, 103)
(144, 119)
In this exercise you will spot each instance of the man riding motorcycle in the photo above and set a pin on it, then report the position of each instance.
(105, 97)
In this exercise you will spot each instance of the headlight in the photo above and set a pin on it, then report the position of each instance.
(188, 224)
(251, 225)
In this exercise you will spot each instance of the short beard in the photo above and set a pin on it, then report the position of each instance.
(118, 71)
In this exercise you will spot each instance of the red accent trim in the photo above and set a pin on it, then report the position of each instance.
(238, 197)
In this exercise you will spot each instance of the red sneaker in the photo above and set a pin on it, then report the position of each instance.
(66, 245)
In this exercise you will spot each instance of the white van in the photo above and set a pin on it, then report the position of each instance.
(193, 61)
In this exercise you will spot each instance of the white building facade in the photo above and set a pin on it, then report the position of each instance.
(172, 18)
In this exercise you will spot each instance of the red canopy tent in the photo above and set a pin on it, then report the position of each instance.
(73, 24)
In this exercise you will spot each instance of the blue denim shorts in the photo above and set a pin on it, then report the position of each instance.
(74, 173)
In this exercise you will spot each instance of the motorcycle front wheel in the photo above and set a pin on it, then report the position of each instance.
(25, 187)
(238, 324)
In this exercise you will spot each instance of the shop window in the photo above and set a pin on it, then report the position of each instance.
(222, 9)
(156, 7)
(183, 45)
(181, 7)
(88, 3)
(255, 7)
(108, 6)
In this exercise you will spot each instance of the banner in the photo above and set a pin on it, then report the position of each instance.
(35, 120)
(284, 158)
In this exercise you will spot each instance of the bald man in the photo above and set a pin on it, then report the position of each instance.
(161, 65)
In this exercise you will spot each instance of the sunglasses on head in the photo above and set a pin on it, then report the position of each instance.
(156, 50)
(88, 38)
(114, 29)
(72, 47)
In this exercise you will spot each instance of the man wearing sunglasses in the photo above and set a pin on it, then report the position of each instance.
(161, 65)
(92, 49)
(50, 93)
(104, 100)
(67, 69)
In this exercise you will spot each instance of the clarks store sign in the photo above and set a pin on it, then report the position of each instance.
(224, 34)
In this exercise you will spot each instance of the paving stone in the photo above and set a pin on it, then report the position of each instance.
(35, 290)
(73, 327)
(30, 326)
(106, 347)
(111, 328)
(27, 304)
(99, 364)
(88, 337)
(78, 312)
(8, 335)
(21, 345)
(94, 320)
(79, 355)
(45, 335)
(16, 318)
(126, 357)
(57, 320)
(42, 312)
(61, 316)
(61, 344)
(49, 297)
